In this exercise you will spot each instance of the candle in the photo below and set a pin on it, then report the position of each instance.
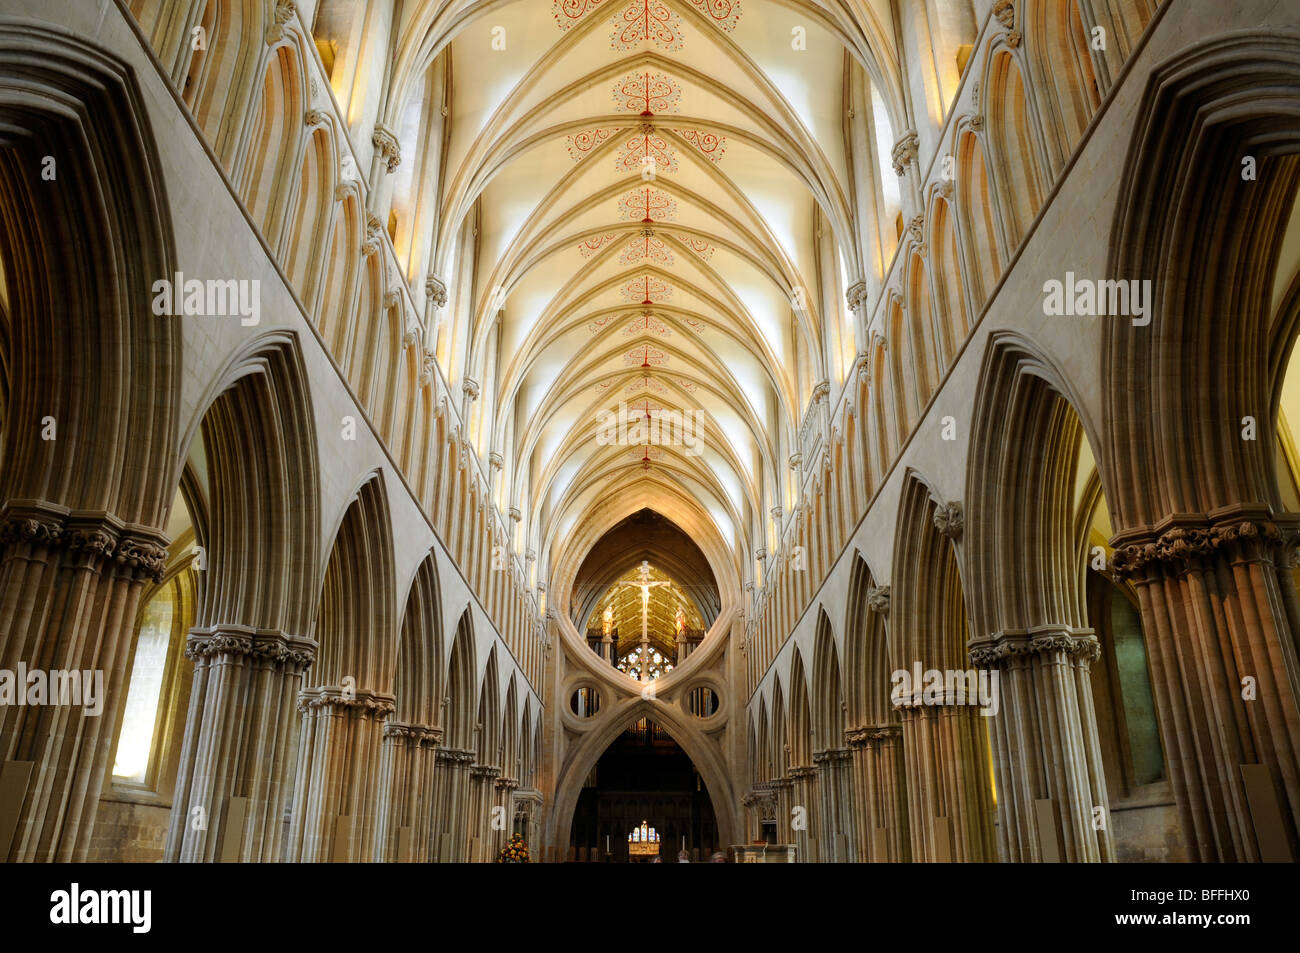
(607, 843)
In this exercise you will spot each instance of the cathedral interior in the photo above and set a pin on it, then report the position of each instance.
(649, 430)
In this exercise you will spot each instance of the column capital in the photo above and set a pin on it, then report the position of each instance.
(878, 599)
(362, 701)
(230, 642)
(988, 652)
(385, 140)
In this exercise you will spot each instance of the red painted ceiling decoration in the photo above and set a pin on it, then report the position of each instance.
(647, 150)
(582, 144)
(647, 21)
(645, 454)
(593, 245)
(643, 383)
(645, 356)
(647, 205)
(712, 146)
(645, 290)
(648, 247)
(697, 245)
(647, 324)
(725, 13)
(600, 324)
(647, 94)
(686, 384)
(569, 12)
(643, 408)
(695, 325)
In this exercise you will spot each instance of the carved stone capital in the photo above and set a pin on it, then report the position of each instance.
(916, 228)
(284, 11)
(905, 151)
(242, 644)
(856, 295)
(470, 388)
(436, 289)
(424, 736)
(990, 652)
(315, 117)
(949, 520)
(372, 242)
(386, 142)
(866, 735)
(455, 757)
(878, 599)
(1177, 546)
(362, 702)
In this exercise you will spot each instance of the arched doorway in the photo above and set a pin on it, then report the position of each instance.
(644, 777)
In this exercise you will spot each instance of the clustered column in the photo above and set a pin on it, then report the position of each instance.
(406, 793)
(836, 819)
(879, 793)
(70, 586)
(1219, 613)
(451, 791)
(240, 735)
(1047, 755)
(335, 793)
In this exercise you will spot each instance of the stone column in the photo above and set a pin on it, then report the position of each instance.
(335, 793)
(1221, 642)
(406, 791)
(949, 801)
(877, 764)
(481, 800)
(502, 803)
(1045, 745)
(781, 791)
(803, 793)
(70, 586)
(451, 777)
(835, 821)
(240, 737)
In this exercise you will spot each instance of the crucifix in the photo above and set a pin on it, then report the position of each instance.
(644, 583)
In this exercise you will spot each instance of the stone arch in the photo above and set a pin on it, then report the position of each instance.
(350, 694)
(306, 242)
(1026, 584)
(458, 723)
(271, 144)
(947, 277)
(586, 752)
(1194, 504)
(945, 741)
(866, 656)
(420, 650)
(356, 621)
(977, 218)
(88, 405)
(1062, 69)
(874, 735)
(1014, 150)
(256, 445)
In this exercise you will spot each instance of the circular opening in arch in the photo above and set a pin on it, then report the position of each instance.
(584, 702)
(703, 702)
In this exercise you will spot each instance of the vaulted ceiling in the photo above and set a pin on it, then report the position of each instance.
(658, 200)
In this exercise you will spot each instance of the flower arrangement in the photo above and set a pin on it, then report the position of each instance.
(515, 852)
